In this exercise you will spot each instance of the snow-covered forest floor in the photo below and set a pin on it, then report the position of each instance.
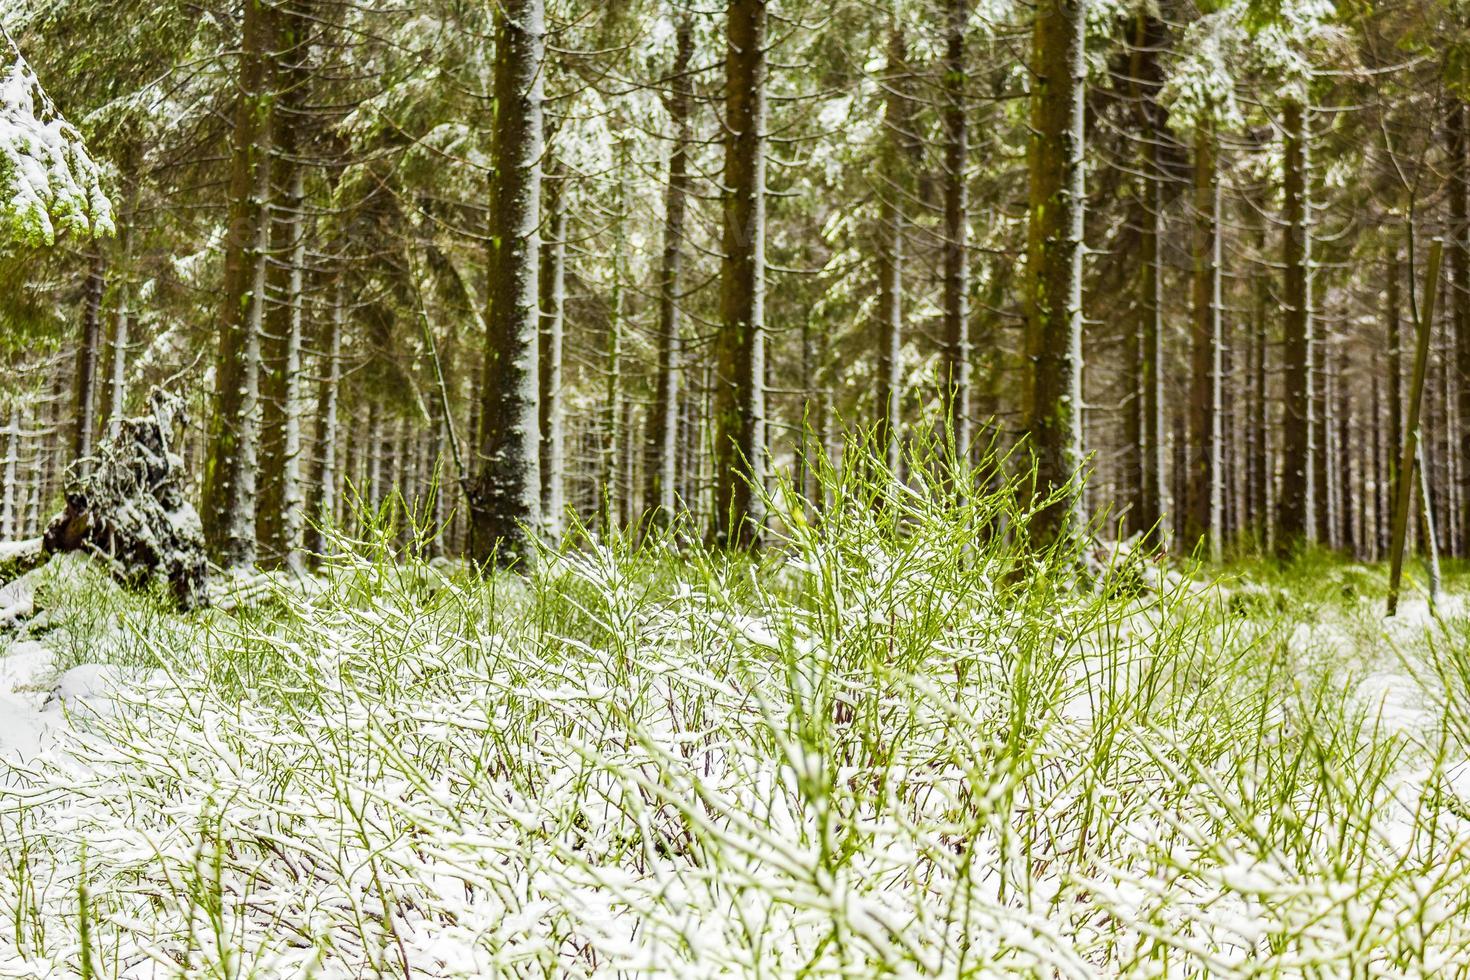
(890, 744)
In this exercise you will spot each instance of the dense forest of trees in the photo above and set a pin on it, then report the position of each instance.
(517, 262)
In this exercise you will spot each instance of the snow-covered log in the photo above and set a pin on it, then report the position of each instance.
(129, 511)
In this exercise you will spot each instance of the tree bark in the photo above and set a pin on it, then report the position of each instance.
(1395, 372)
(888, 393)
(1459, 262)
(955, 370)
(89, 356)
(323, 508)
(663, 423)
(118, 374)
(739, 451)
(1294, 516)
(1146, 426)
(549, 375)
(506, 504)
(1205, 486)
(281, 510)
(230, 467)
(1054, 267)
(10, 501)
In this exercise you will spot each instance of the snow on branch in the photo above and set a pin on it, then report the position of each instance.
(49, 185)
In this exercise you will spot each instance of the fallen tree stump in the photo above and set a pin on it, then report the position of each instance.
(125, 507)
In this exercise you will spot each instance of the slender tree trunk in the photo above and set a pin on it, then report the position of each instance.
(1205, 486)
(888, 394)
(1263, 472)
(117, 382)
(1459, 283)
(506, 504)
(1152, 518)
(1294, 518)
(10, 500)
(89, 355)
(663, 423)
(1054, 265)
(1319, 478)
(739, 451)
(324, 481)
(1411, 454)
(1147, 428)
(1348, 502)
(613, 493)
(955, 370)
(553, 306)
(230, 468)
(1395, 373)
(280, 511)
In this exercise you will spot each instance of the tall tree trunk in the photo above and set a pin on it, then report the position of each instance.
(1395, 371)
(1263, 471)
(610, 486)
(118, 374)
(10, 499)
(1319, 478)
(1152, 518)
(739, 451)
(1205, 486)
(89, 355)
(553, 306)
(506, 504)
(888, 393)
(230, 467)
(1459, 256)
(1054, 265)
(1349, 503)
(323, 507)
(1294, 517)
(1147, 510)
(955, 370)
(663, 423)
(281, 510)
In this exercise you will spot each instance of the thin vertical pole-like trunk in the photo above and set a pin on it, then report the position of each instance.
(324, 480)
(230, 466)
(1395, 372)
(955, 364)
(1459, 284)
(552, 425)
(739, 451)
(10, 501)
(280, 511)
(1205, 487)
(1054, 266)
(1147, 510)
(506, 503)
(1263, 470)
(1294, 520)
(888, 393)
(89, 356)
(1378, 468)
(1346, 509)
(1152, 517)
(663, 422)
(118, 375)
(612, 493)
(1411, 452)
(1319, 479)
(375, 452)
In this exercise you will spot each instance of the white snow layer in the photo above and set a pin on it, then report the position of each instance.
(49, 185)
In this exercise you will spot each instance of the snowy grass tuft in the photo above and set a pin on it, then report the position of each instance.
(898, 743)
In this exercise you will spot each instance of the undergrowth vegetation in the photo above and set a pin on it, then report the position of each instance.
(898, 742)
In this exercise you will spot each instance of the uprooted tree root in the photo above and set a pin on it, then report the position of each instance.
(125, 507)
